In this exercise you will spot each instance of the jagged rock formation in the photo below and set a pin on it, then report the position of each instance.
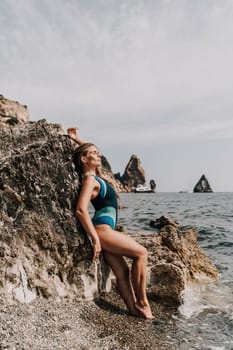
(163, 221)
(12, 112)
(202, 186)
(175, 260)
(42, 249)
(152, 185)
(134, 174)
(108, 174)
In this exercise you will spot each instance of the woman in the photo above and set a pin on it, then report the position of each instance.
(113, 244)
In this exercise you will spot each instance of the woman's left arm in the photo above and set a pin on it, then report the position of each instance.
(83, 214)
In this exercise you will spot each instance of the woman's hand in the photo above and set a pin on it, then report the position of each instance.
(72, 132)
(96, 250)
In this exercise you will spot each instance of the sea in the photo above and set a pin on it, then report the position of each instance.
(205, 319)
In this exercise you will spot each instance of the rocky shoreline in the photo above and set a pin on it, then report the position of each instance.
(65, 325)
(45, 256)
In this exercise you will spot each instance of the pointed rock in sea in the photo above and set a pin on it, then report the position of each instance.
(202, 186)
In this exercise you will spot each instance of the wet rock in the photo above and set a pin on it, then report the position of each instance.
(174, 261)
(163, 221)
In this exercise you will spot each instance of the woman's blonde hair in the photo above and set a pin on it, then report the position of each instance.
(82, 151)
(78, 153)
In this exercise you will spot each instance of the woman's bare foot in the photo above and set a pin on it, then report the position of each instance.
(134, 312)
(144, 310)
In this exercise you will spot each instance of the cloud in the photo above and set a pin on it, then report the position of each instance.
(118, 63)
(151, 77)
(173, 133)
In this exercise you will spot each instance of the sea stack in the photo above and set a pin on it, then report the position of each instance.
(134, 174)
(202, 186)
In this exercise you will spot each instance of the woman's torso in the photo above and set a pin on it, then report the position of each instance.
(105, 204)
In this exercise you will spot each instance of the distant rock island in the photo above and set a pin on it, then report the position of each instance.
(202, 186)
(133, 176)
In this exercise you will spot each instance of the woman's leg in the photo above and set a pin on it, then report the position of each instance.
(119, 244)
(124, 285)
(139, 282)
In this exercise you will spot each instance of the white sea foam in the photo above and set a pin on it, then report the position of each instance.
(198, 297)
(192, 301)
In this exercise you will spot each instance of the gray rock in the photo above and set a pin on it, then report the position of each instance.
(175, 260)
(134, 174)
(43, 250)
(202, 186)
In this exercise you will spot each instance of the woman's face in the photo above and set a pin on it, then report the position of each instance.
(93, 157)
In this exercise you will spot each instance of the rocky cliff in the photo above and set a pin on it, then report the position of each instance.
(43, 249)
(12, 112)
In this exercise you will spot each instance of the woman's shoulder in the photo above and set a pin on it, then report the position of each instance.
(90, 180)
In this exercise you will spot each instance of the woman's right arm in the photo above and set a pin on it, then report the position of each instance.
(83, 214)
(72, 132)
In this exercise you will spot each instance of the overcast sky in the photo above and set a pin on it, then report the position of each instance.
(152, 78)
